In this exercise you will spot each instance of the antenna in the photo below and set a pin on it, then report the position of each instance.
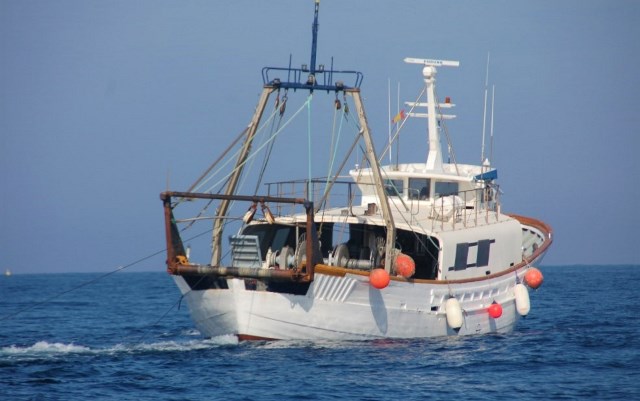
(311, 76)
(493, 98)
(314, 41)
(484, 114)
(389, 115)
(398, 139)
(431, 62)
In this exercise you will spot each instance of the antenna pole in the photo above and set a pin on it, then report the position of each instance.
(314, 43)
(493, 98)
(398, 127)
(389, 113)
(484, 114)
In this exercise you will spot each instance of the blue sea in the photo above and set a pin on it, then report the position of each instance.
(126, 336)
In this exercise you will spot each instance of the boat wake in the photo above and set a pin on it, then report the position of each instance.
(45, 350)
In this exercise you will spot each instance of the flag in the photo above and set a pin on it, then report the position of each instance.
(399, 117)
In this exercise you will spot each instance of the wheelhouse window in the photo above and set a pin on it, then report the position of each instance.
(419, 188)
(393, 187)
(445, 188)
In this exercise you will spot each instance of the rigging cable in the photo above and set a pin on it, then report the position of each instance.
(250, 157)
(274, 128)
(237, 152)
(339, 170)
(395, 136)
(263, 145)
(334, 146)
(309, 195)
(151, 326)
(92, 281)
(207, 171)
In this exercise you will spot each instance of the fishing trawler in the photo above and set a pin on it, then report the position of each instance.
(414, 250)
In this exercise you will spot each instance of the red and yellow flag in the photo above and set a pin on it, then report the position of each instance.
(399, 117)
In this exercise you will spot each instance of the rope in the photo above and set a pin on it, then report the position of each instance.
(223, 182)
(207, 171)
(150, 327)
(86, 283)
(339, 170)
(395, 136)
(333, 138)
(58, 295)
(309, 195)
(235, 154)
(267, 156)
(263, 145)
(334, 148)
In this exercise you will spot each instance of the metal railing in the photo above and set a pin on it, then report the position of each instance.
(454, 210)
(314, 190)
(466, 208)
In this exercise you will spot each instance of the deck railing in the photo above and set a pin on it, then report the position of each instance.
(342, 193)
(466, 208)
(455, 210)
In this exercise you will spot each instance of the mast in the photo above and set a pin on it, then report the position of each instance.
(314, 40)
(434, 158)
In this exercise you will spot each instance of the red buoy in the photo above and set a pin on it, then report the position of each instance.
(405, 266)
(495, 310)
(533, 278)
(379, 278)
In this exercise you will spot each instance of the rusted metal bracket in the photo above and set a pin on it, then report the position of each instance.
(177, 263)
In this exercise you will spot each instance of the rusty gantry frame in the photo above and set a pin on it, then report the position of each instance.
(177, 263)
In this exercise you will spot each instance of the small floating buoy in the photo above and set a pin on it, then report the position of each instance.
(405, 266)
(533, 278)
(379, 278)
(454, 313)
(495, 310)
(523, 305)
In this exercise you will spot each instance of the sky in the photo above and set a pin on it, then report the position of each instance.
(104, 104)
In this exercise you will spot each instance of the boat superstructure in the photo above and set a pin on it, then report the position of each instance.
(415, 250)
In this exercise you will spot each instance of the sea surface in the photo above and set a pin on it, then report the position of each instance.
(125, 336)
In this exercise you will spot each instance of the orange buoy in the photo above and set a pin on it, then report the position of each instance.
(379, 278)
(405, 266)
(533, 278)
(495, 310)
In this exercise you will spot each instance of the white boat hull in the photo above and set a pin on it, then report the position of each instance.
(349, 308)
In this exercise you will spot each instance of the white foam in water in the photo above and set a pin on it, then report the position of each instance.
(44, 348)
(199, 344)
(227, 339)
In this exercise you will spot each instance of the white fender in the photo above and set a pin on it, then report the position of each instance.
(454, 313)
(523, 305)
